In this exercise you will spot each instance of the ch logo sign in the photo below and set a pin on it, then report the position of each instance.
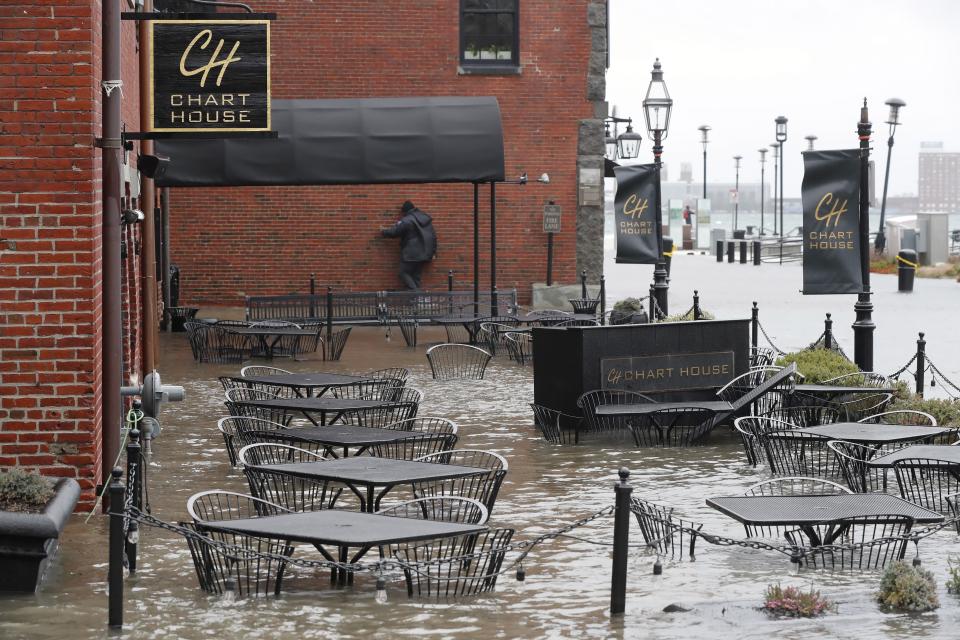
(206, 36)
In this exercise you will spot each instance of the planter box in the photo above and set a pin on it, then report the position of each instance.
(29, 540)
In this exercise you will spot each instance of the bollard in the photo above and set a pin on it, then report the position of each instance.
(494, 305)
(621, 540)
(697, 313)
(828, 333)
(921, 363)
(653, 306)
(450, 291)
(906, 270)
(730, 250)
(756, 252)
(719, 250)
(583, 284)
(743, 252)
(754, 325)
(313, 292)
(134, 478)
(329, 319)
(603, 299)
(115, 570)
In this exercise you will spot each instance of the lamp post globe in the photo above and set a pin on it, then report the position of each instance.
(895, 104)
(657, 106)
(704, 129)
(628, 142)
(781, 123)
(810, 140)
(609, 144)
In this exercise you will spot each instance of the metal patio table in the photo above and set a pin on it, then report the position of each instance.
(470, 322)
(942, 452)
(806, 512)
(364, 474)
(643, 408)
(343, 437)
(264, 335)
(344, 529)
(305, 384)
(870, 433)
(322, 405)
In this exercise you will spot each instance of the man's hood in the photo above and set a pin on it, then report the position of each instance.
(422, 217)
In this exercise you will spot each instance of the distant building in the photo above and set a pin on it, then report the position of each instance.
(939, 179)
(720, 194)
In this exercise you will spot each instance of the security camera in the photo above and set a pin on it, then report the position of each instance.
(131, 216)
(152, 166)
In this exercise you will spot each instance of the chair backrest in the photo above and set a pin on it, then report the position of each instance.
(262, 370)
(761, 357)
(798, 453)
(270, 453)
(555, 426)
(590, 400)
(808, 415)
(742, 392)
(795, 486)
(661, 530)
(415, 446)
(398, 394)
(246, 394)
(397, 374)
(902, 416)
(209, 506)
(519, 346)
(576, 322)
(673, 427)
(275, 323)
(852, 459)
(484, 487)
(443, 509)
(233, 429)
(859, 379)
(858, 405)
(750, 428)
(365, 389)
(457, 361)
(229, 382)
(928, 482)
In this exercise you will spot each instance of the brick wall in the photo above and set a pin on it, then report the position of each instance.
(50, 242)
(231, 242)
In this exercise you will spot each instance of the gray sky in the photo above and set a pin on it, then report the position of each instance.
(737, 64)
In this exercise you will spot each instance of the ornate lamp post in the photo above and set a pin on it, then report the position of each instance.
(863, 327)
(893, 120)
(625, 145)
(781, 138)
(704, 130)
(657, 106)
(776, 158)
(810, 140)
(763, 166)
(736, 191)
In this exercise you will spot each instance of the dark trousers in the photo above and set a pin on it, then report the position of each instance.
(410, 274)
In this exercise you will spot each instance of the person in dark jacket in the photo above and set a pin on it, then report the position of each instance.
(418, 242)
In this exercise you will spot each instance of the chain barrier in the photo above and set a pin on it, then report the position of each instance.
(769, 341)
(934, 370)
(896, 375)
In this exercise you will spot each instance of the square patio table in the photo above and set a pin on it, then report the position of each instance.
(263, 335)
(871, 433)
(344, 436)
(322, 405)
(944, 452)
(364, 474)
(308, 382)
(805, 512)
(344, 529)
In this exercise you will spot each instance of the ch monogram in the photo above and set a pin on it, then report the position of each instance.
(837, 209)
(207, 36)
(634, 207)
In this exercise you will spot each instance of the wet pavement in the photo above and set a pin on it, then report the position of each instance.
(567, 587)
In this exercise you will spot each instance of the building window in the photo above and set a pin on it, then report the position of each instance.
(489, 33)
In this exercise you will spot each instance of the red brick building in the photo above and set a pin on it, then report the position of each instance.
(544, 61)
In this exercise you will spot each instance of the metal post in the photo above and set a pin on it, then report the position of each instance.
(776, 161)
(603, 299)
(151, 323)
(828, 333)
(763, 165)
(730, 251)
(165, 241)
(719, 250)
(621, 541)
(736, 189)
(313, 293)
(652, 303)
(864, 327)
(115, 570)
(783, 231)
(697, 313)
(881, 241)
(476, 249)
(583, 284)
(660, 285)
(743, 251)
(450, 281)
(921, 363)
(550, 259)
(757, 252)
(329, 319)
(134, 478)
(754, 325)
(704, 171)
(493, 249)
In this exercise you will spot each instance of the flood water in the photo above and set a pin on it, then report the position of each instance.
(567, 588)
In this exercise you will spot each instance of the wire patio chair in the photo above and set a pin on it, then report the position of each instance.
(397, 375)
(808, 415)
(852, 458)
(292, 492)
(423, 440)
(901, 416)
(591, 400)
(928, 482)
(672, 427)
(788, 486)
(215, 344)
(259, 370)
(577, 322)
(239, 404)
(798, 453)
(662, 532)
(751, 428)
(234, 430)
(740, 391)
(442, 508)
(285, 346)
(491, 336)
(761, 357)
(866, 542)
(333, 349)
(457, 362)
(519, 346)
(859, 379)
(555, 426)
(485, 487)
(364, 389)
(860, 405)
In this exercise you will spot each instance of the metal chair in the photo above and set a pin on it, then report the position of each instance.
(750, 428)
(859, 379)
(788, 486)
(484, 488)
(808, 415)
(397, 375)
(443, 509)
(555, 426)
(295, 493)
(761, 357)
(234, 429)
(275, 390)
(333, 348)
(673, 427)
(491, 335)
(928, 482)
(261, 370)
(237, 400)
(253, 564)
(577, 322)
(439, 568)
(743, 390)
(212, 343)
(953, 504)
(549, 317)
(457, 362)
(852, 459)
(662, 532)
(364, 389)
(866, 542)
(590, 400)
(286, 345)
(797, 453)
(901, 416)
(856, 406)
(397, 394)
(519, 346)
(427, 435)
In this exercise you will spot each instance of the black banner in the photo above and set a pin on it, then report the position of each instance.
(638, 222)
(831, 222)
(672, 372)
(210, 75)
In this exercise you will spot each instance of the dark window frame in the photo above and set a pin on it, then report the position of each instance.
(494, 64)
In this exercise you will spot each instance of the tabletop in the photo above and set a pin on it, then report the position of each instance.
(344, 528)
(944, 452)
(776, 511)
(871, 432)
(321, 403)
(462, 318)
(271, 331)
(345, 435)
(649, 407)
(367, 470)
(307, 379)
(839, 390)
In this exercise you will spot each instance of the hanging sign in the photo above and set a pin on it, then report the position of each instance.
(551, 218)
(209, 75)
(831, 222)
(637, 221)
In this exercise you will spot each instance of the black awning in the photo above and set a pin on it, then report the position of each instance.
(357, 141)
(608, 166)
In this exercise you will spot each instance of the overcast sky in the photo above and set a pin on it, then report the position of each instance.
(737, 64)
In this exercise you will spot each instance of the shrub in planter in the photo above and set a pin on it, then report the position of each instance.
(794, 602)
(628, 311)
(946, 411)
(818, 365)
(688, 316)
(33, 514)
(907, 588)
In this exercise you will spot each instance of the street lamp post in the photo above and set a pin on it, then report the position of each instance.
(763, 163)
(781, 138)
(893, 121)
(736, 192)
(810, 140)
(625, 145)
(776, 158)
(657, 106)
(704, 129)
(863, 327)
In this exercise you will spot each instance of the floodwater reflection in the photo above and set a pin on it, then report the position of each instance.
(566, 592)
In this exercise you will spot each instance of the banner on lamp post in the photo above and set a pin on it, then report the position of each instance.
(831, 222)
(637, 220)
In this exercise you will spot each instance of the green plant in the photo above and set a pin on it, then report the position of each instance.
(953, 583)
(686, 317)
(907, 588)
(794, 602)
(818, 365)
(946, 411)
(23, 491)
(628, 305)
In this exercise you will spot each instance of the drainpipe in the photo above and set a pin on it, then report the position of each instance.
(148, 205)
(112, 365)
